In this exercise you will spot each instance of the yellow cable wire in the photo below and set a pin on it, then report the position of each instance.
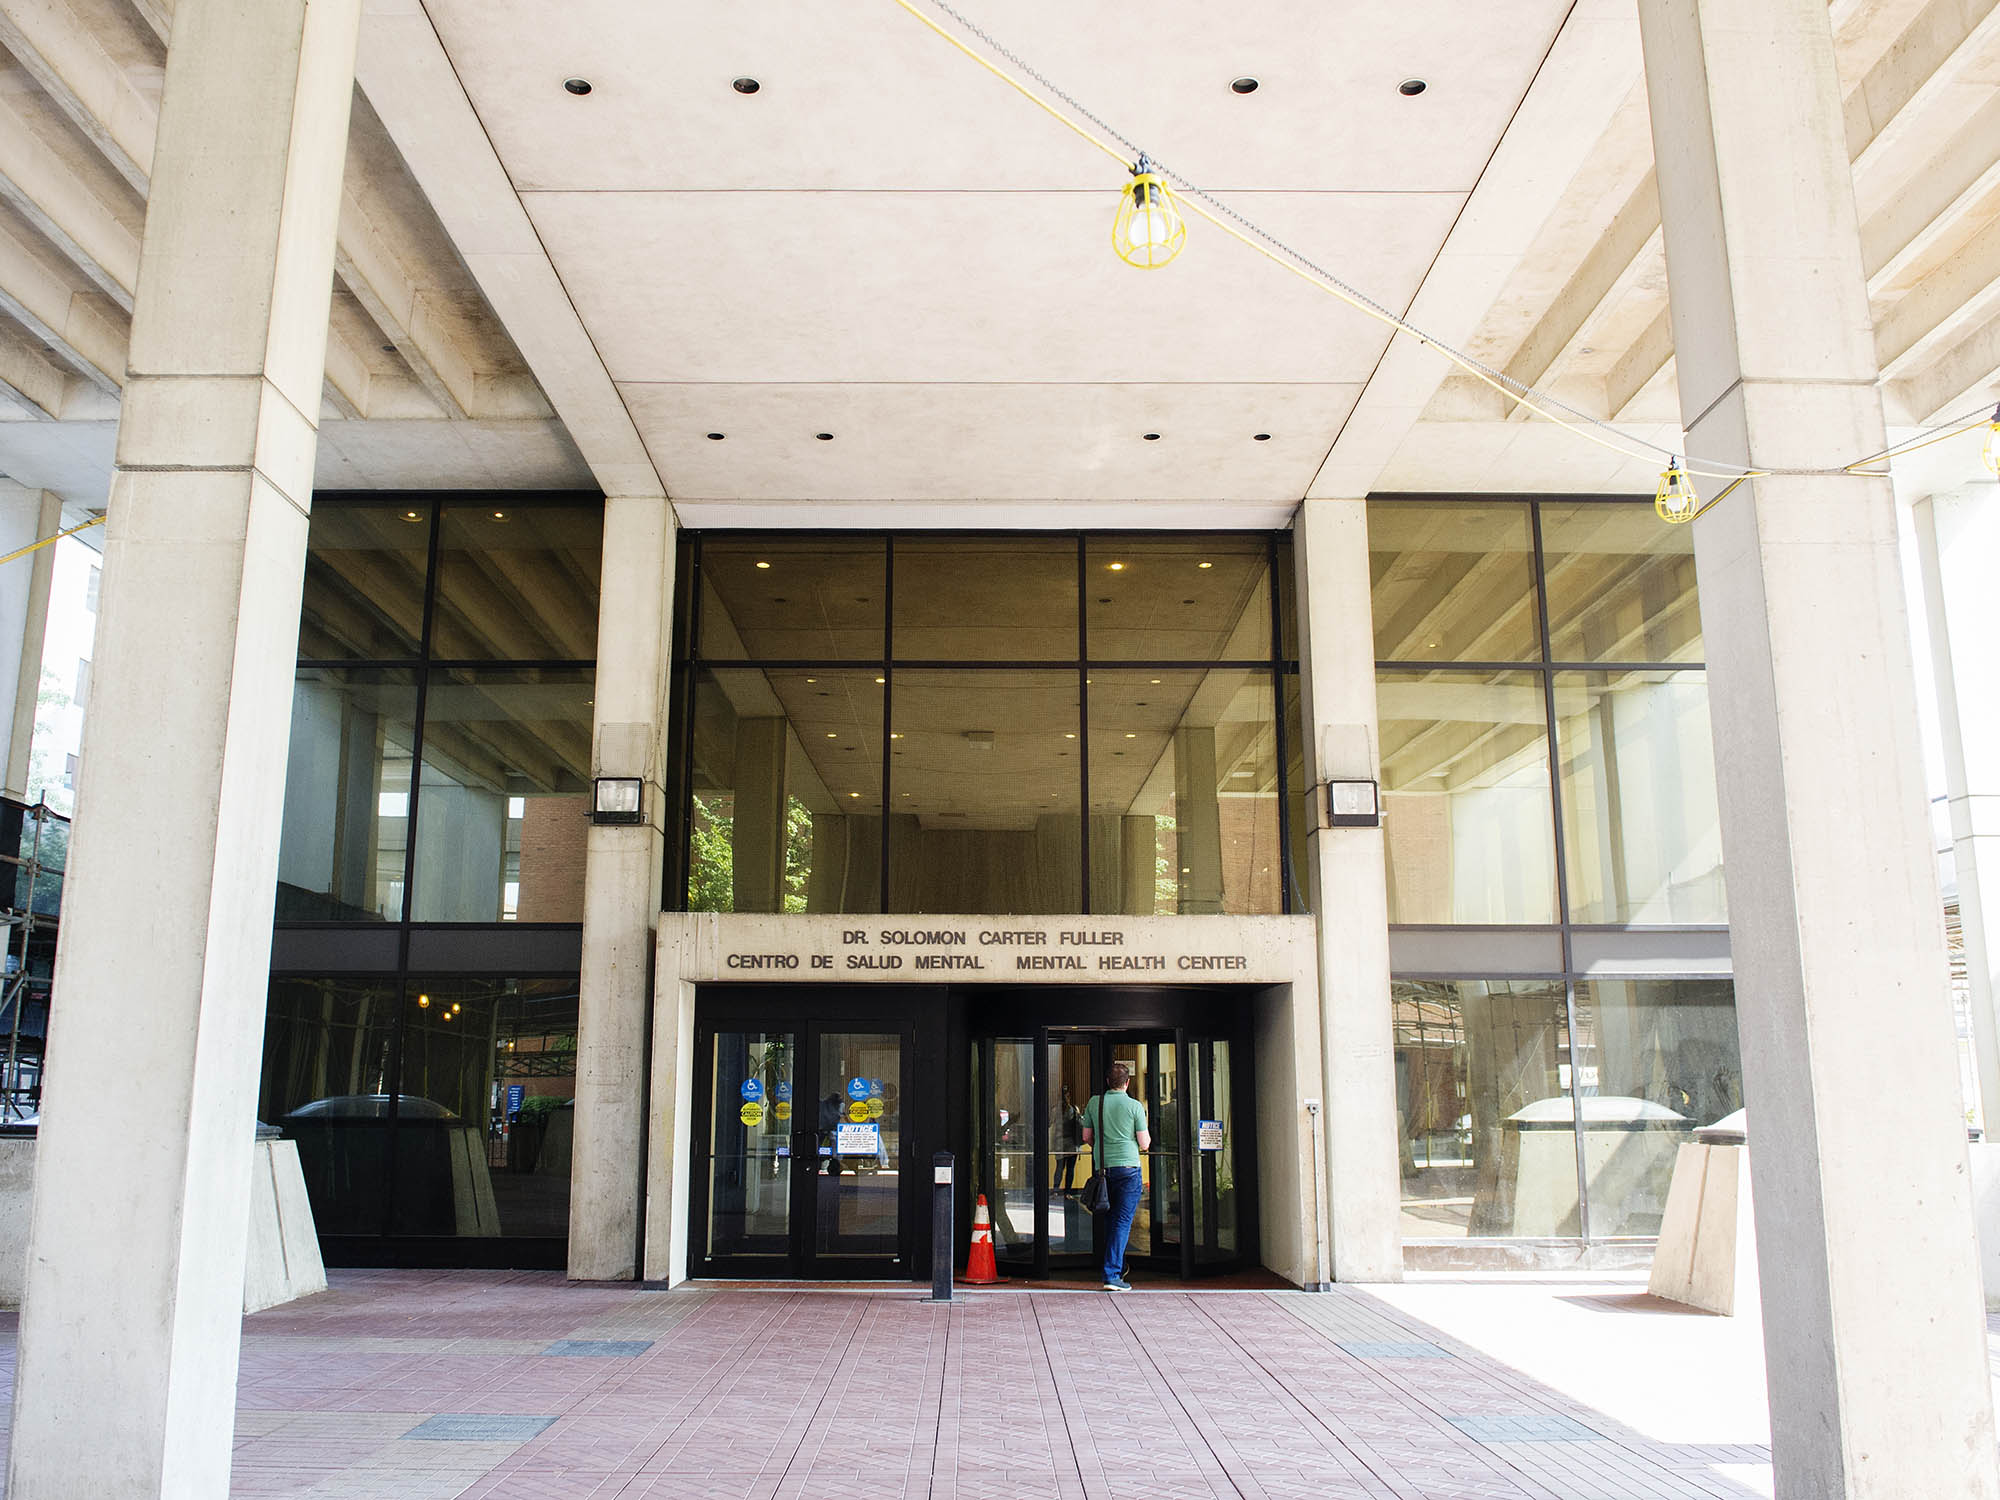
(47, 540)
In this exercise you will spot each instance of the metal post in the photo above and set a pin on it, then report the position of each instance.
(944, 1242)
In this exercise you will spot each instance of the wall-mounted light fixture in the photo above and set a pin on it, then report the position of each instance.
(1350, 803)
(616, 799)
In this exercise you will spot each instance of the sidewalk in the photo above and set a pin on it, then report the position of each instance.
(434, 1385)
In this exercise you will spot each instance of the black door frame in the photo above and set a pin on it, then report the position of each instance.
(1104, 1015)
(917, 1013)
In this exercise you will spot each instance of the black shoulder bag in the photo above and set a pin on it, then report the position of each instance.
(1097, 1191)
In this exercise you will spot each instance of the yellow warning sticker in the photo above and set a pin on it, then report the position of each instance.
(874, 1109)
(782, 1109)
(751, 1114)
(858, 1111)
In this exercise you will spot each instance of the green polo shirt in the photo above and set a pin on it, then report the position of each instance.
(1117, 1146)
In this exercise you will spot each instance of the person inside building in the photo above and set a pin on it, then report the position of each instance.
(1119, 1120)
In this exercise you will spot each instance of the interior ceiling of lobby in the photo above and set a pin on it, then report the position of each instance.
(537, 289)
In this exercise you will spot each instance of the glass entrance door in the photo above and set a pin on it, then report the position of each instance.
(1030, 1162)
(804, 1168)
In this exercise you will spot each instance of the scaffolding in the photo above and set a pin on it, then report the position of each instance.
(34, 852)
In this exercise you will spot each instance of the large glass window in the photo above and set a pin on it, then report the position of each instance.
(952, 773)
(1465, 794)
(1184, 792)
(786, 790)
(1620, 585)
(1453, 581)
(1644, 838)
(496, 729)
(516, 582)
(347, 795)
(1656, 1060)
(1471, 809)
(503, 803)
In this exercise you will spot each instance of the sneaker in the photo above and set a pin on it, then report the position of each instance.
(1118, 1284)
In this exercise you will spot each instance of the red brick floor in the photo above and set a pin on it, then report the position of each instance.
(433, 1385)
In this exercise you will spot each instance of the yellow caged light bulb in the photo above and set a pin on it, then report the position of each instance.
(1675, 499)
(1149, 230)
(1990, 454)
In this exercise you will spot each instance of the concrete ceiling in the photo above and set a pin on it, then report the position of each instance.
(886, 244)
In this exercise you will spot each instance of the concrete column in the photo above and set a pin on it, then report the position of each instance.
(30, 515)
(1872, 1307)
(757, 826)
(1197, 821)
(621, 891)
(1958, 534)
(1350, 894)
(1138, 847)
(133, 1305)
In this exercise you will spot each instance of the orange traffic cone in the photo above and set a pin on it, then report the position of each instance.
(979, 1267)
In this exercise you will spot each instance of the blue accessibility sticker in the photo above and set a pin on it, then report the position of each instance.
(781, 1091)
(874, 1088)
(857, 1088)
(752, 1089)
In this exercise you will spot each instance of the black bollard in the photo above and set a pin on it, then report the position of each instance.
(944, 1244)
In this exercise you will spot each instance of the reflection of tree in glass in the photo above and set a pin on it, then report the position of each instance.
(711, 862)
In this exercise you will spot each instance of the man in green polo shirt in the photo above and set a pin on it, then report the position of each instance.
(1114, 1126)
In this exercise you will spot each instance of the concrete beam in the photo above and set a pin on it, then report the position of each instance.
(38, 384)
(56, 46)
(65, 209)
(87, 330)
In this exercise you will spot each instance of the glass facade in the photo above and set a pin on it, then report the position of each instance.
(1009, 724)
(435, 1107)
(444, 683)
(1547, 775)
(436, 798)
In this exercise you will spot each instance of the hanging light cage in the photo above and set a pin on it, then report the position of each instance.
(1675, 499)
(1149, 230)
(1990, 453)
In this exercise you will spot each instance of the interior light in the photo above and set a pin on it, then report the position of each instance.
(854, 794)
(1116, 567)
(1990, 454)
(423, 1002)
(413, 515)
(1131, 736)
(499, 515)
(881, 679)
(766, 565)
(1204, 565)
(894, 736)
(454, 1007)
(444, 1015)
(831, 735)
(1149, 231)
(1153, 681)
(1675, 499)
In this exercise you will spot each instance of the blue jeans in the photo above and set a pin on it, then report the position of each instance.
(1125, 1186)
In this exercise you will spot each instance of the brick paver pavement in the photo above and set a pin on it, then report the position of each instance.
(434, 1385)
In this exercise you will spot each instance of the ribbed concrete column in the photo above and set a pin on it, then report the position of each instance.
(1958, 535)
(1197, 821)
(1873, 1323)
(621, 891)
(757, 819)
(133, 1303)
(1350, 894)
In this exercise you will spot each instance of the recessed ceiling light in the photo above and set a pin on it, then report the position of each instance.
(745, 85)
(824, 437)
(854, 794)
(413, 515)
(812, 679)
(1116, 567)
(1411, 87)
(1260, 437)
(1131, 736)
(1204, 565)
(577, 86)
(766, 565)
(895, 736)
(1154, 681)
(1243, 85)
(1151, 437)
(499, 515)
(881, 679)
(831, 735)
(1068, 736)
(715, 437)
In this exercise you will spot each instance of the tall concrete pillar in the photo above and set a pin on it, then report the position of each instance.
(1958, 535)
(1197, 821)
(1350, 894)
(26, 516)
(133, 1302)
(621, 890)
(1873, 1325)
